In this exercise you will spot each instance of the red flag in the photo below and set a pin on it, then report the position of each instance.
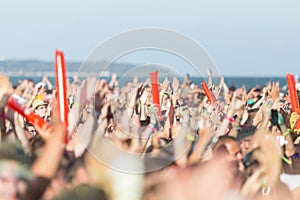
(155, 92)
(293, 95)
(61, 85)
(210, 96)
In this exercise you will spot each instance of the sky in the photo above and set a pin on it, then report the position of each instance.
(243, 38)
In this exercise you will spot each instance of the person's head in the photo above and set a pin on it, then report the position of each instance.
(30, 83)
(30, 131)
(250, 116)
(233, 148)
(232, 89)
(245, 136)
(12, 183)
(19, 90)
(231, 145)
(39, 107)
(187, 77)
(14, 171)
(250, 162)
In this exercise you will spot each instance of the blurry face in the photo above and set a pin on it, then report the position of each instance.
(253, 165)
(11, 187)
(235, 153)
(190, 98)
(30, 84)
(245, 144)
(30, 132)
(41, 111)
(19, 92)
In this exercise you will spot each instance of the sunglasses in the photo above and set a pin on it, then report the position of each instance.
(41, 107)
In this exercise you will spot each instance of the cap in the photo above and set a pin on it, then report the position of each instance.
(38, 102)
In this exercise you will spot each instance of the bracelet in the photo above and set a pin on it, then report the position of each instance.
(152, 128)
(190, 137)
(286, 133)
(229, 118)
(287, 161)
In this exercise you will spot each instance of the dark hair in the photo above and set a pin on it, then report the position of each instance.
(30, 80)
(246, 131)
(14, 151)
(232, 88)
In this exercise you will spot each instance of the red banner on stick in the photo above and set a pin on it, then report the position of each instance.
(61, 85)
(155, 92)
(210, 96)
(26, 112)
(293, 95)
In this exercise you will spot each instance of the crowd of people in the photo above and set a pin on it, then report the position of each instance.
(245, 145)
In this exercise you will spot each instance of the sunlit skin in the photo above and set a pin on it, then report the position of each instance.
(235, 153)
(41, 111)
(245, 144)
(30, 132)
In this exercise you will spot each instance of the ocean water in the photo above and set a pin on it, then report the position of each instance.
(249, 82)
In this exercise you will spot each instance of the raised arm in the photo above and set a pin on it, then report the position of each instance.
(5, 89)
(47, 163)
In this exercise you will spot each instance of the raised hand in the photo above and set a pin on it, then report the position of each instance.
(275, 91)
(47, 164)
(175, 85)
(165, 85)
(216, 91)
(54, 132)
(5, 90)
(238, 100)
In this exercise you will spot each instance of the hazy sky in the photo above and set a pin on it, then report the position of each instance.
(243, 38)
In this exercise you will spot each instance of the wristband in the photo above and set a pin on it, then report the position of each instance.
(286, 160)
(152, 128)
(286, 133)
(190, 137)
(230, 119)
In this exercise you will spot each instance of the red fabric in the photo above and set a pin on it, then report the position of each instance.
(61, 85)
(293, 95)
(155, 92)
(208, 93)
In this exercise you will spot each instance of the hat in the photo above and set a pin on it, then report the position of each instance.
(38, 102)
(14, 151)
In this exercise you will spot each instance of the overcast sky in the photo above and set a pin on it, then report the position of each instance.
(242, 38)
